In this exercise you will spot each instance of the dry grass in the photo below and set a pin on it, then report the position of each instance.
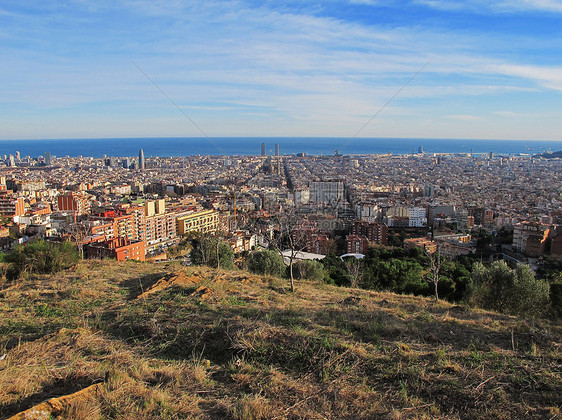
(165, 341)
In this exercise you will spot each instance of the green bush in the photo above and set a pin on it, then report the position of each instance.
(213, 252)
(335, 271)
(266, 263)
(40, 257)
(306, 269)
(515, 292)
(556, 298)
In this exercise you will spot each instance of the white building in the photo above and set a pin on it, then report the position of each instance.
(417, 217)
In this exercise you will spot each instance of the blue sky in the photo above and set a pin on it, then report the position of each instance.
(281, 68)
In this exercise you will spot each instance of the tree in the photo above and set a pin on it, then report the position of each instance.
(556, 298)
(335, 271)
(266, 262)
(354, 268)
(213, 252)
(512, 291)
(435, 263)
(291, 237)
(308, 269)
(78, 232)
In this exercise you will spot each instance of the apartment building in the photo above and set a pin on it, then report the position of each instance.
(530, 238)
(10, 204)
(206, 221)
(120, 248)
(373, 231)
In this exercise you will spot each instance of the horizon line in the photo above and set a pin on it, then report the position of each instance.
(281, 137)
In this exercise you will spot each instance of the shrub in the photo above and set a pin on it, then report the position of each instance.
(305, 269)
(40, 257)
(556, 298)
(206, 250)
(515, 292)
(266, 263)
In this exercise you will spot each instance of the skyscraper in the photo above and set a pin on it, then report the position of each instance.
(141, 160)
(277, 149)
(48, 158)
(263, 149)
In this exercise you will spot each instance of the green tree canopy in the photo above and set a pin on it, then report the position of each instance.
(213, 252)
(512, 291)
(266, 262)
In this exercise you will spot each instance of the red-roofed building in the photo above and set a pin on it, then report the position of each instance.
(120, 248)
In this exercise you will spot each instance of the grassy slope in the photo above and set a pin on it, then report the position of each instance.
(233, 345)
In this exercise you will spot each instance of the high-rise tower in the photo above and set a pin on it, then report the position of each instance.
(141, 160)
(263, 149)
(276, 149)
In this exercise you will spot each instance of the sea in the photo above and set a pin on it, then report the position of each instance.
(244, 146)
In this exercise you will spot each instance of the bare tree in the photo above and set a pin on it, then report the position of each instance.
(290, 236)
(354, 268)
(78, 232)
(435, 262)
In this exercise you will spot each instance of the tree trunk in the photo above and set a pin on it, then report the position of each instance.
(436, 293)
(218, 256)
(291, 273)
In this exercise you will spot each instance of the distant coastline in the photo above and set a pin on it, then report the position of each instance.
(232, 146)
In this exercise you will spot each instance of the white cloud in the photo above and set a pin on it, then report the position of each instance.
(465, 117)
(500, 6)
(549, 77)
(224, 60)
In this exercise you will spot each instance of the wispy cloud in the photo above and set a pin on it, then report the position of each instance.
(549, 77)
(465, 117)
(501, 6)
(296, 65)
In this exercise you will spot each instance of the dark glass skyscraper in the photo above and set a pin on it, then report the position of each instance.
(141, 160)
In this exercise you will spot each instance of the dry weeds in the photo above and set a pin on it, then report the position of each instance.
(163, 341)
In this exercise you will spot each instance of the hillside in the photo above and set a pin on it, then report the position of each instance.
(130, 340)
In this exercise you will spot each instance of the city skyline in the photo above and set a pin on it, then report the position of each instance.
(247, 68)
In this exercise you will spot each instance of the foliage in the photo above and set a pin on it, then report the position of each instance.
(179, 250)
(311, 270)
(484, 238)
(513, 291)
(266, 262)
(40, 257)
(395, 269)
(504, 236)
(556, 298)
(458, 278)
(213, 252)
(335, 271)
(550, 268)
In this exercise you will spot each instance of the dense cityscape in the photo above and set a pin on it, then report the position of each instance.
(261, 210)
(136, 208)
